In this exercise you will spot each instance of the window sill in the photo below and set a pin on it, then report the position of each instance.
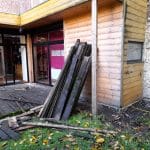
(135, 62)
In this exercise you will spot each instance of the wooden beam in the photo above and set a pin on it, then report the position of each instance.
(10, 19)
(30, 59)
(94, 54)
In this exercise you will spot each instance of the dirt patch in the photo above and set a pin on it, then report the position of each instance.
(135, 117)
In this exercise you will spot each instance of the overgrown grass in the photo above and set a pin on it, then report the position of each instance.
(51, 139)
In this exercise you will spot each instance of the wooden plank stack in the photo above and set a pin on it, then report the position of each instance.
(66, 92)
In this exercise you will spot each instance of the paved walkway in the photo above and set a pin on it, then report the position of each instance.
(21, 97)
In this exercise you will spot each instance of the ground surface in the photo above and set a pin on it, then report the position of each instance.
(132, 127)
(44, 139)
(20, 97)
(137, 116)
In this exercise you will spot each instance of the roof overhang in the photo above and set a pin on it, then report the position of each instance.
(49, 12)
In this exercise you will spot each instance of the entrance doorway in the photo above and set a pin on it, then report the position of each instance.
(2, 66)
(48, 50)
(13, 61)
(41, 62)
(13, 64)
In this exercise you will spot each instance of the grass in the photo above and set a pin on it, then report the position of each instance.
(50, 139)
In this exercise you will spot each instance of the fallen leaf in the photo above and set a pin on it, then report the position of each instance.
(45, 142)
(86, 124)
(100, 140)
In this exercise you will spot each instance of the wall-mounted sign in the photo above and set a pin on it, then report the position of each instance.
(134, 52)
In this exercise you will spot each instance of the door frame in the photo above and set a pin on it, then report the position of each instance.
(49, 63)
(3, 62)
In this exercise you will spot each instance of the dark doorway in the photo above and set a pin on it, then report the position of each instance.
(13, 67)
(13, 61)
(41, 63)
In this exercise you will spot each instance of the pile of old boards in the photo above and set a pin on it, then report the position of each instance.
(61, 99)
(66, 92)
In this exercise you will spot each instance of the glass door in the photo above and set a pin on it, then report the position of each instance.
(56, 53)
(13, 67)
(41, 64)
(57, 60)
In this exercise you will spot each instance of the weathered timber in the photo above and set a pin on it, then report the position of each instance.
(73, 70)
(70, 83)
(55, 92)
(53, 120)
(77, 87)
(66, 127)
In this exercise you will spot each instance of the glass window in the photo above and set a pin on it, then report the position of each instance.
(134, 52)
(22, 39)
(40, 38)
(11, 39)
(14, 39)
(56, 35)
(0, 38)
(1, 61)
(57, 60)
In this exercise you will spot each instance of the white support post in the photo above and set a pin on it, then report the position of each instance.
(94, 54)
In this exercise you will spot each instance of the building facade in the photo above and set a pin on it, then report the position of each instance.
(51, 28)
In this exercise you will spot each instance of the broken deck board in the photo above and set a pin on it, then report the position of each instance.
(77, 87)
(32, 96)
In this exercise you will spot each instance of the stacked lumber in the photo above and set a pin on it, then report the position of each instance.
(66, 92)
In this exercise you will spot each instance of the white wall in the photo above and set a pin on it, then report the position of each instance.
(24, 63)
(146, 89)
(24, 60)
(36, 2)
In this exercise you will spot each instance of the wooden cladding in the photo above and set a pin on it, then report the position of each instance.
(135, 23)
(110, 25)
(9, 19)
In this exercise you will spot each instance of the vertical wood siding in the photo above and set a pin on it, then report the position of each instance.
(110, 25)
(134, 31)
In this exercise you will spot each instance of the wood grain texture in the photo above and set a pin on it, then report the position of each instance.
(30, 59)
(110, 25)
(135, 23)
(9, 19)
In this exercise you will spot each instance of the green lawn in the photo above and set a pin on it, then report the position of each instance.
(51, 139)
